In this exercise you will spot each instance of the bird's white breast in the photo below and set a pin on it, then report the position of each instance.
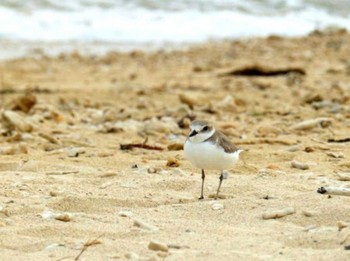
(207, 155)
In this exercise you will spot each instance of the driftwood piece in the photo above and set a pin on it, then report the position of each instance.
(278, 213)
(130, 146)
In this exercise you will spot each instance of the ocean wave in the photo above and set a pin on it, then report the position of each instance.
(155, 21)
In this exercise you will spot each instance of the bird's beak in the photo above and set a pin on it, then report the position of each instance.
(192, 133)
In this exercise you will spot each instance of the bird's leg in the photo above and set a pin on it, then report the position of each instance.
(221, 178)
(203, 178)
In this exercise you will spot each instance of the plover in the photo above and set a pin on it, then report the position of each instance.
(209, 149)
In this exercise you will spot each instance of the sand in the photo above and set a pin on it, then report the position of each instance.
(66, 183)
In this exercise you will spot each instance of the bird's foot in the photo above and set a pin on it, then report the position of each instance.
(201, 198)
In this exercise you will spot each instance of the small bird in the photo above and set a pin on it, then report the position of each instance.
(208, 148)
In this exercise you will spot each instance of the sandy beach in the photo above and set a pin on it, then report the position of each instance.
(69, 192)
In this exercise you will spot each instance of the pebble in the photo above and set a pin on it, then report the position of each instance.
(108, 174)
(54, 245)
(152, 170)
(343, 176)
(132, 256)
(175, 146)
(217, 206)
(106, 184)
(13, 149)
(164, 125)
(125, 214)
(308, 228)
(227, 103)
(4, 211)
(341, 225)
(48, 214)
(267, 131)
(158, 246)
(308, 213)
(15, 120)
(300, 165)
(162, 254)
(273, 167)
(56, 193)
(63, 217)
(75, 152)
(336, 155)
(142, 224)
(23, 103)
(312, 123)
(188, 99)
(173, 162)
(294, 148)
(134, 166)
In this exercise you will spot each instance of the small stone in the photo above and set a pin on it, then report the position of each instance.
(300, 165)
(63, 217)
(341, 225)
(54, 193)
(13, 149)
(227, 103)
(344, 176)
(173, 162)
(163, 125)
(75, 152)
(294, 148)
(132, 256)
(312, 123)
(108, 174)
(158, 246)
(48, 214)
(54, 246)
(106, 184)
(267, 131)
(273, 166)
(175, 146)
(188, 99)
(125, 214)
(15, 120)
(309, 149)
(336, 155)
(308, 213)
(24, 103)
(217, 206)
(134, 166)
(142, 224)
(162, 254)
(152, 170)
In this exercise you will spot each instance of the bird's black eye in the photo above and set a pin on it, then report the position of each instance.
(205, 128)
